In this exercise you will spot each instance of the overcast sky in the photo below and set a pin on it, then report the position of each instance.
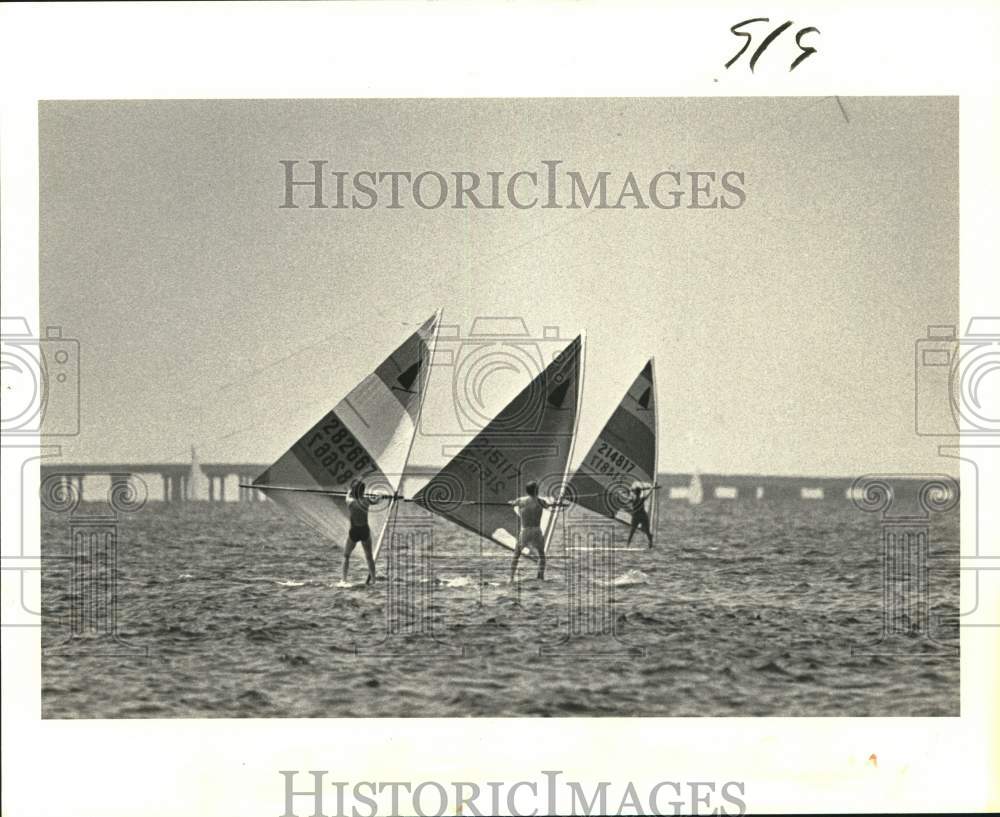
(783, 330)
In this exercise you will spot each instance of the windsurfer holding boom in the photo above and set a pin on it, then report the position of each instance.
(640, 519)
(357, 509)
(529, 508)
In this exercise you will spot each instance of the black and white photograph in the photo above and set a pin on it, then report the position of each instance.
(490, 408)
(471, 408)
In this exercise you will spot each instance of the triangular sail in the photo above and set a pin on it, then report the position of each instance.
(623, 456)
(531, 439)
(367, 435)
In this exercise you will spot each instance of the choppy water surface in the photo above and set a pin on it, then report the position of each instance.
(742, 608)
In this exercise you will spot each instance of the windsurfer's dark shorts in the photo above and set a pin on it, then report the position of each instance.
(359, 533)
(640, 519)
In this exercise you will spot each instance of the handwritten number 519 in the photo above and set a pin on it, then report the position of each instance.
(770, 38)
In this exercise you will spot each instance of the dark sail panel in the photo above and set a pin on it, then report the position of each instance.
(531, 439)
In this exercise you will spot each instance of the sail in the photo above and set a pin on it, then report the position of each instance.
(367, 436)
(623, 456)
(530, 439)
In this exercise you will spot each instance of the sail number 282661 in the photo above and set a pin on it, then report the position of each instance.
(333, 447)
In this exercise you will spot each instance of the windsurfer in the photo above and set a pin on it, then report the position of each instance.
(640, 519)
(529, 509)
(357, 509)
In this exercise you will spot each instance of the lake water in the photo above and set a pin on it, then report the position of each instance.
(742, 608)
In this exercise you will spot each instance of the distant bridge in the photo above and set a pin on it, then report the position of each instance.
(175, 479)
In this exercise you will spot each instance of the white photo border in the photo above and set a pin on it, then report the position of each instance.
(274, 50)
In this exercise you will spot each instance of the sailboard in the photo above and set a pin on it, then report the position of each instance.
(531, 439)
(623, 457)
(367, 435)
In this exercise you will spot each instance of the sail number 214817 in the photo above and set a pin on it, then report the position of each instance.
(609, 460)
